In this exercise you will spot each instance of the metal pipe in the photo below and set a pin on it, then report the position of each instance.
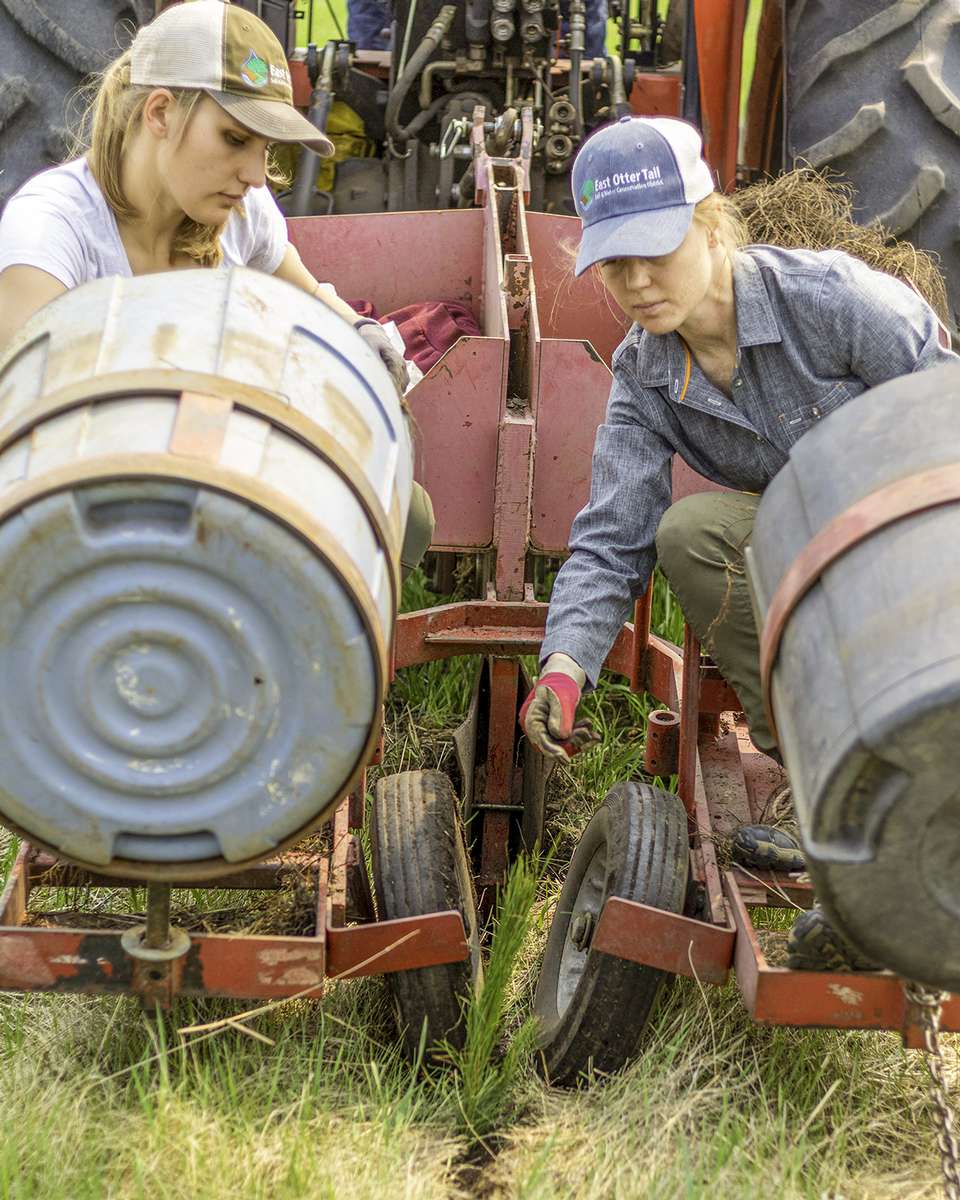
(426, 78)
(418, 60)
(406, 37)
(662, 746)
(321, 100)
(618, 93)
(157, 935)
(578, 30)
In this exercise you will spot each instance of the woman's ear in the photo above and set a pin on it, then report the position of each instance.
(159, 112)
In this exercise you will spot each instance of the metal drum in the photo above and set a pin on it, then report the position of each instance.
(204, 482)
(855, 568)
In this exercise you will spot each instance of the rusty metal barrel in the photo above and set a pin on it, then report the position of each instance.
(855, 570)
(204, 482)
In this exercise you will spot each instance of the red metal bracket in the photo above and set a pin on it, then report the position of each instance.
(665, 940)
(778, 996)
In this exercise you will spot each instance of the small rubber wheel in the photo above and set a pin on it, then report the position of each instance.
(420, 866)
(593, 1007)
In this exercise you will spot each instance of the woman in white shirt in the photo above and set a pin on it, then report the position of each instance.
(175, 176)
(176, 172)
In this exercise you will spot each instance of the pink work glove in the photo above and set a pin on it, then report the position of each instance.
(549, 713)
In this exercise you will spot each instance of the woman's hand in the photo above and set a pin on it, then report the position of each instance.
(376, 338)
(548, 716)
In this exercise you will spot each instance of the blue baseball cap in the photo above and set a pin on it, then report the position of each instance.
(635, 185)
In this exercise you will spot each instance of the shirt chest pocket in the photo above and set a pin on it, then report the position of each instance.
(797, 421)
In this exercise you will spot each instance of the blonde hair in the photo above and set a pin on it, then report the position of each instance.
(113, 111)
(719, 212)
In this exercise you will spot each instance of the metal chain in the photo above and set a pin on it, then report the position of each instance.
(928, 1004)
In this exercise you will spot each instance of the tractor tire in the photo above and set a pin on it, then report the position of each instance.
(592, 1007)
(420, 866)
(46, 50)
(873, 93)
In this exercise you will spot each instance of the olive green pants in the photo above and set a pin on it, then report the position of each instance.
(700, 544)
(419, 531)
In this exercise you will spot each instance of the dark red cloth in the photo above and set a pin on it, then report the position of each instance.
(431, 328)
(428, 329)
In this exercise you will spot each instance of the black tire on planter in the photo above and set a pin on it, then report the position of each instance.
(592, 1007)
(873, 92)
(47, 48)
(420, 866)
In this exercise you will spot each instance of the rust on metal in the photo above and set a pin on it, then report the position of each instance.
(768, 889)
(903, 498)
(655, 94)
(705, 847)
(241, 967)
(478, 626)
(13, 902)
(665, 940)
(725, 786)
(511, 527)
(501, 779)
(337, 880)
(386, 945)
(642, 609)
(689, 719)
(842, 1000)
(662, 746)
(517, 277)
(359, 897)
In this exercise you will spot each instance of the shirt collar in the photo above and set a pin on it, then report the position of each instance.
(756, 322)
(658, 358)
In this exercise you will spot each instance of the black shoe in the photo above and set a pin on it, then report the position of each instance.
(814, 945)
(766, 848)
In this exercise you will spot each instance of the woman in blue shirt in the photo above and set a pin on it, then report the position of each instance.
(734, 353)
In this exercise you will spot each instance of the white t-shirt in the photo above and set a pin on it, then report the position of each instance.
(60, 222)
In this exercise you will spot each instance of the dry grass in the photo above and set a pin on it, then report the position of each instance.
(719, 1107)
(232, 1120)
(814, 210)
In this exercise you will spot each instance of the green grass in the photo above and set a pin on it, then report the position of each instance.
(99, 1102)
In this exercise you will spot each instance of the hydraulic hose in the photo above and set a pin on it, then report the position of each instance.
(300, 202)
(418, 60)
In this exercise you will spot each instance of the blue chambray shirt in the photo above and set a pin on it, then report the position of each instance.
(814, 329)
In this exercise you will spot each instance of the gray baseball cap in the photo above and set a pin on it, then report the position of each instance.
(635, 185)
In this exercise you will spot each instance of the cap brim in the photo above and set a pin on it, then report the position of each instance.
(637, 235)
(274, 120)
